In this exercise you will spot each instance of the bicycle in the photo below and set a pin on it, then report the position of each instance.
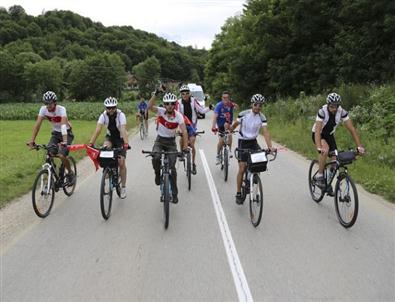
(256, 163)
(165, 187)
(143, 129)
(49, 180)
(110, 180)
(188, 163)
(346, 195)
(224, 153)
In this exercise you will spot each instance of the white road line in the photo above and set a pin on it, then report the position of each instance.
(242, 288)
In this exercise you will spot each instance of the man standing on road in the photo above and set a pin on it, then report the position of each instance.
(61, 130)
(328, 118)
(251, 122)
(190, 107)
(117, 135)
(223, 118)
(168, 120)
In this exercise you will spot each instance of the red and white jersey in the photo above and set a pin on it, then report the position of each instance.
(54, 116)
(167, 125)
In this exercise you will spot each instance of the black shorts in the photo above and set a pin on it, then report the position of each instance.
(144, 114)
(116, 142)
(57, 138)
(247, 144)
(330, 140)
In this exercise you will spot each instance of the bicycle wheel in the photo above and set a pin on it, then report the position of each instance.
(106, 193)
(316, 192)
(69, 187)
(226, 164)
(142, 134)
(256, 200)
(166, 199)
(346, 201)
(117, 183)
(189, 167)
(43, 194)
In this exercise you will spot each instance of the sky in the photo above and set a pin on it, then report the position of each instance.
(186, 22)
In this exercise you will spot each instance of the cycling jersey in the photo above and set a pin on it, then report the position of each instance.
(225, 113)
(55, 117)
(113, 123)
(166, 126)
(142, 106)
(330, 121)
(250, 124)
(190, 108)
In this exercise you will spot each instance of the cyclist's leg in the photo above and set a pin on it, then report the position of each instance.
(192, 140)
(158, 147)
(242, 144)
(146, 120)
(121, 160)
(220, 139)
(227, 126)
(170, 145)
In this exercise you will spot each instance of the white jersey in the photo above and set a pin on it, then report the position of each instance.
(54, 117)
(167, 126)
(330, 122)
(196, 107)
(119, 120)
(250, 124)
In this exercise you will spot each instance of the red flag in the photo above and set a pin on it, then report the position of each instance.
(93, 155)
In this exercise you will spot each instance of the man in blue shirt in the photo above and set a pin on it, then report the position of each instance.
(142, 112)
(223, 118)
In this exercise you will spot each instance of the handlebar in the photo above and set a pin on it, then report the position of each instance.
(267, 152)
(152, 153)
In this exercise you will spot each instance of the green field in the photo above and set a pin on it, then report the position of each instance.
(19, 165)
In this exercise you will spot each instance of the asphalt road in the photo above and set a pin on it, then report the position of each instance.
(210, 252)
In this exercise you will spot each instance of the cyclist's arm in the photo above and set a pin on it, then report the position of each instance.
(36, 129)
(317, 134)
(63, 125)
(234, 125)
(184, 136)
(350, 127)
(96, 133)
(266, 135)
(214, 123)
(124, 134)
(151, 104)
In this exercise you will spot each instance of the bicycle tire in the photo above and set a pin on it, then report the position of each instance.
(106, 193)
(226, 164)
(142, 134)
(166, 200)
(118, 185)
(42, 179)
(68, 188)
(189, 172)
(256, 200)
(344, 203)
(317, 194)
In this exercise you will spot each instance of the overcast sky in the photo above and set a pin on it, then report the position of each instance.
(187, 22)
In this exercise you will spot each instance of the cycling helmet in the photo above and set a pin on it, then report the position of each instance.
(184, 88)
(169, 98)
(257, 99)
(110, 102)
(333, 98)
(49, 97)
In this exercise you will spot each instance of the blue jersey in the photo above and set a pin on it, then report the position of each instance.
(225, 113)
(142, 106)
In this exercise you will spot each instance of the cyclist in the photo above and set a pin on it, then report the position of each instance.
(61, 130)
(251, 121)
(168, 120)
(328, 118)
(190, 107)
(117, 135)
(223, 118)
(142, 111)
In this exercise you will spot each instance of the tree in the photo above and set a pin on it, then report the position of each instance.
(147, 73)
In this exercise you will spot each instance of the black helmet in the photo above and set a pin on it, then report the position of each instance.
(49, 97)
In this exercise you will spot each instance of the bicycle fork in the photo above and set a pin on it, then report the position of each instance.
(47, 167)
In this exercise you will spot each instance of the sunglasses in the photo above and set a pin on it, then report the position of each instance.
(167, 104)
(333, 106)
(111, 108)
(184, 93)
(257, 105)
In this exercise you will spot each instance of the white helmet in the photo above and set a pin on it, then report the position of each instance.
(110, 102)
(184, 88)
(49, 97)
(169, 98)
(258, 99)
(333, 98)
